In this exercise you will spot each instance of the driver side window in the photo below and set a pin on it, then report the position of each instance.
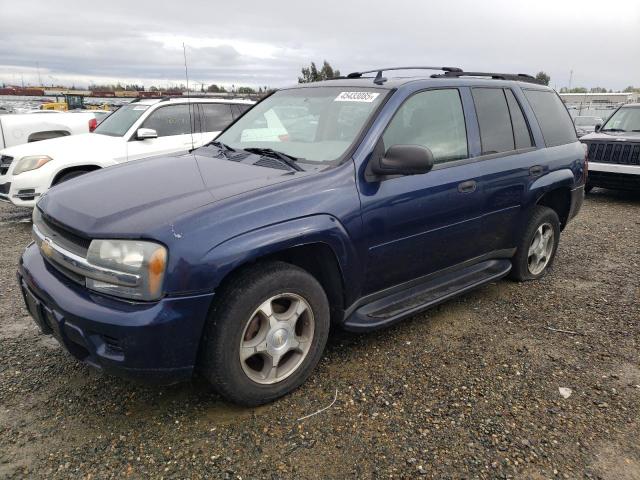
(432, 119)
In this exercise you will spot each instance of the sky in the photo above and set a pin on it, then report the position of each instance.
(260, 43)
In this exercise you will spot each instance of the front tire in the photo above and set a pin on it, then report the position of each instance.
(538, 246)
(69, 175)
(265, 333)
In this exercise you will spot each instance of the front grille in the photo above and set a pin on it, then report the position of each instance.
(5, 162)
(621, 153)
(62, 235)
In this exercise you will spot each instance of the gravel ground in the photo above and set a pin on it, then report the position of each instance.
(468, 390)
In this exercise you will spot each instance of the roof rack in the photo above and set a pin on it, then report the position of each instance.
(520, 77)
(380, 79)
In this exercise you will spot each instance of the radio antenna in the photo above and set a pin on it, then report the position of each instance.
(186, 75)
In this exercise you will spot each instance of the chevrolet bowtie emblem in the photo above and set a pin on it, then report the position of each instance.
(47, 247)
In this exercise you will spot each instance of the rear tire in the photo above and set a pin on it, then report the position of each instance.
(265, 333)
(588, 188)
(538, 246)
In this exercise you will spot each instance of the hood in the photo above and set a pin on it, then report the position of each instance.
(84, 146)
(612, 136)
(130, 200)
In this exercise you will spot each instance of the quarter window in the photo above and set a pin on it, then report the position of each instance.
(553, 117)
(170, 120)
(433, 119)
(496, 133)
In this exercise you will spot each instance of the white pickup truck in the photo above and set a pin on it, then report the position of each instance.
(140, 129)
(19, 128)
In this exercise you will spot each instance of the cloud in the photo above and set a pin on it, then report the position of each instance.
(266, 43)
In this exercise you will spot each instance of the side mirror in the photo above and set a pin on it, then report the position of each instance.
(146, 133)
(404, 160)
(598, 127)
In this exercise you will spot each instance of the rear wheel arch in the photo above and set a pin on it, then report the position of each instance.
(46, 135)
(559, 200)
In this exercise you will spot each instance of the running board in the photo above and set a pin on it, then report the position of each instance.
(390, 309)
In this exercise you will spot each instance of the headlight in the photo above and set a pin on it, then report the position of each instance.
(30, 163)
(148, 260)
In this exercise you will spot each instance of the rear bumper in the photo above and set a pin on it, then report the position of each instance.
(156, 342)
(577, 199)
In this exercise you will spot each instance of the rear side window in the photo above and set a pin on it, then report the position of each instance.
(433, 119)
(216, 116)
(553, 118)
(494, 120)
(169, 121)
(239, 109)
(521, 133)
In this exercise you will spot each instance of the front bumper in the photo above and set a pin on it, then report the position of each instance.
(155, 341)
(614, 176)
(19, 192)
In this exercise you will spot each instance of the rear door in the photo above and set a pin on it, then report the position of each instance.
(178, 128)
(215, 118)
(418, 224)
(506, 162)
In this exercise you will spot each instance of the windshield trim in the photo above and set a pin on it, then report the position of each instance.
(386, 94)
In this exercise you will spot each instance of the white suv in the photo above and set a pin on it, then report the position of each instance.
(141, 129)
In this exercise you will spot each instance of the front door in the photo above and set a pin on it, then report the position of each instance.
(419, 224)
(178, 129)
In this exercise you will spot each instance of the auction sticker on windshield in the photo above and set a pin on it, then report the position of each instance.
(366, 97)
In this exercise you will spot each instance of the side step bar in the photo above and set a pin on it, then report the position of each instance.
(397, 306)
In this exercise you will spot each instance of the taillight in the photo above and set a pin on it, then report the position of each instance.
(586, 162)
(93, 123)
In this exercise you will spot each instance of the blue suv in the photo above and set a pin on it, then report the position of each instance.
(353, 203)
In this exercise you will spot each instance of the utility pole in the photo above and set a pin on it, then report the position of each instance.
(570, 78)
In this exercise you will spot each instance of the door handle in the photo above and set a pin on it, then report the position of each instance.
(536, 170)
(467, 187)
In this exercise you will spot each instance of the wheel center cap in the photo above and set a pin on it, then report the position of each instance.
(279, 338)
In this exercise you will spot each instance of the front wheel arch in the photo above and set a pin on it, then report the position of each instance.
(78, 168)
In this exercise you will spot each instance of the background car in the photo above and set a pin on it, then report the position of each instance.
(586, 124)
(137, 130)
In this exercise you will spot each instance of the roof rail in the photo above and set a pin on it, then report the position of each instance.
(520, 77)
(380, 79)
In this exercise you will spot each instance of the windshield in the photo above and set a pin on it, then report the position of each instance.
(624, 120)
(117, 124)
(587, 121)
(317, 124)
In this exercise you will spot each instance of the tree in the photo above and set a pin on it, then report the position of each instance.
(631, 89)
(312, 74)
(543, 78)
(213, 88)
(246, 90)
(598, 90)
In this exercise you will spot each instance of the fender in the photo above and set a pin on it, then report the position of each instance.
(252, 245)
(550, 181)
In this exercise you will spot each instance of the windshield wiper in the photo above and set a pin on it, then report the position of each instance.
(288, 160)
(613, 130)
(220, 145)
(223, 148)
